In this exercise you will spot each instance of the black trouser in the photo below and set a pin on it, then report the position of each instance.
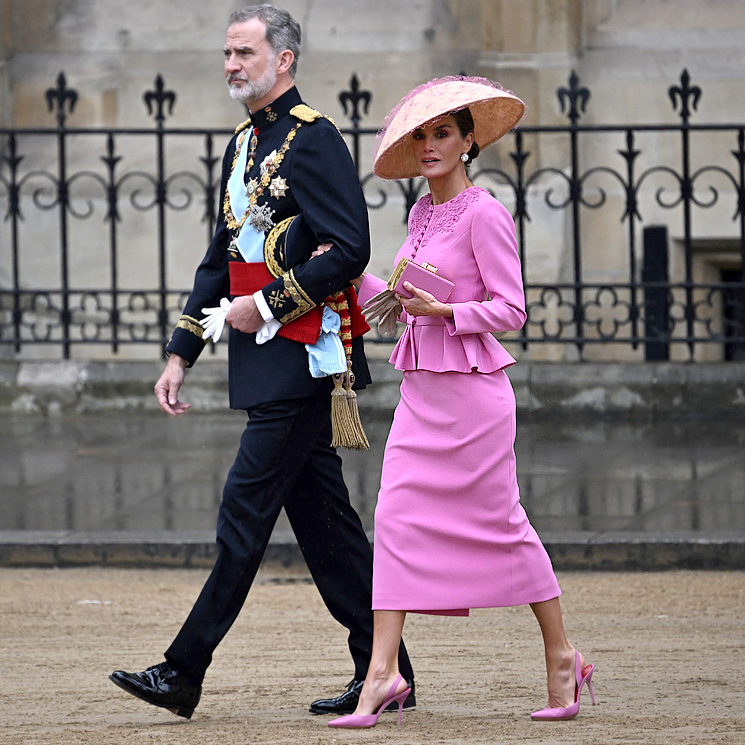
(285, 460)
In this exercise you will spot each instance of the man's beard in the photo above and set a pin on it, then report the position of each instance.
(253, 90)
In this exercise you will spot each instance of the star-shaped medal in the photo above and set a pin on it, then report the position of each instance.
(278, 187)
(261, 217)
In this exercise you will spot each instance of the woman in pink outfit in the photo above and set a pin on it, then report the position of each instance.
(450, 532)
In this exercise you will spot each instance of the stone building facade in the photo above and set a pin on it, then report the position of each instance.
(626, 52)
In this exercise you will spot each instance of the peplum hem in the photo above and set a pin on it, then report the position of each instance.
(431, 344)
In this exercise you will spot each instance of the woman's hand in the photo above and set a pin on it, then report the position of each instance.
(321, 250)
(356, 282)
(423, 303)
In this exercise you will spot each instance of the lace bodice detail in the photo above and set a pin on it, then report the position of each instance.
(427, 219)
(471, 239)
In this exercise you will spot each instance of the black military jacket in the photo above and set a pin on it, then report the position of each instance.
(319, 181)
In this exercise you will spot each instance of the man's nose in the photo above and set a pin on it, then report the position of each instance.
(231, 64)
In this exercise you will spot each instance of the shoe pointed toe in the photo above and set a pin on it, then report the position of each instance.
(582, 676)
(355, 721)
(556, 714)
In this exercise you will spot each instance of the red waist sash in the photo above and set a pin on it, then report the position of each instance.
(248, 278)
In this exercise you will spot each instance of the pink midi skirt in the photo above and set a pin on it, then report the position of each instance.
(450, 532)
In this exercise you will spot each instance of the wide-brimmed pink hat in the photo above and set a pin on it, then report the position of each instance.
(495, 112)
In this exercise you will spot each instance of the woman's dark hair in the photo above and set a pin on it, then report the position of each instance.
(464, 120)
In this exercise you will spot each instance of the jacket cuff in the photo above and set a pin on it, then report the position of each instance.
(286, 299)
(264, 309)
(186, 340)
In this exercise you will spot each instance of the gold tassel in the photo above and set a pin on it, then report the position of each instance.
(360, 438)
(345, 415)
(342, 426)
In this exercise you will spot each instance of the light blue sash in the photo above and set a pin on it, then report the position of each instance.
(250, 242)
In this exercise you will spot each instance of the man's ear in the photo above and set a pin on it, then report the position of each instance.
(284, 61)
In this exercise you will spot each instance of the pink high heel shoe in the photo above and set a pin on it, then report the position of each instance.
(353, 721)
(582, 675)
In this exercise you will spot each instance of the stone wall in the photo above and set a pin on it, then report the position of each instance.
(546, 391)
(626, 51)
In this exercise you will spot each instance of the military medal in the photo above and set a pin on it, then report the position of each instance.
(269, 164)
(278, 187)
(260, 216)
(251, 186)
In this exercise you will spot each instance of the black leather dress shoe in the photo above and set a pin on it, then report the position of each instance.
(160, 685)
(347, 702)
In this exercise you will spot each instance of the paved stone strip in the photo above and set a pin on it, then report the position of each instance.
(580, 551)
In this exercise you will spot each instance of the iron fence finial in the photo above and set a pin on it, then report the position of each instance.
(160, 96)
(687, 93)
(575, 98)
(62, 95)
(354, 96)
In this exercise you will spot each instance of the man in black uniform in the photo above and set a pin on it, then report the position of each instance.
(287, 161)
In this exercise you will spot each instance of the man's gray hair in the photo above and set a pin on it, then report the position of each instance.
(282, 30)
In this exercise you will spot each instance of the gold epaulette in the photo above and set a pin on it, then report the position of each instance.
(308, 115)
(243, 125)
(305, 113)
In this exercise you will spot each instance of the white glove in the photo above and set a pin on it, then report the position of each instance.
(386, 308)
(214, 321)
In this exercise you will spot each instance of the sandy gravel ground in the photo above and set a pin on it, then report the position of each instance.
(668, 649)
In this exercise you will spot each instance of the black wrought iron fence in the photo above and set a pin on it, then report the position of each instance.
(632, 237)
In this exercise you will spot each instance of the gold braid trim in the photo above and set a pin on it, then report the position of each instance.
(296, 292)
(243, 125)
(273, 263)
(190, 324)
(226, 201)
(345, 331)
(334, 123)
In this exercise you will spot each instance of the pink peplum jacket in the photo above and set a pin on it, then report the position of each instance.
(471, 241)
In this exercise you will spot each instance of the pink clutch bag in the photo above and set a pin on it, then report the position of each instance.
(424, 276)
